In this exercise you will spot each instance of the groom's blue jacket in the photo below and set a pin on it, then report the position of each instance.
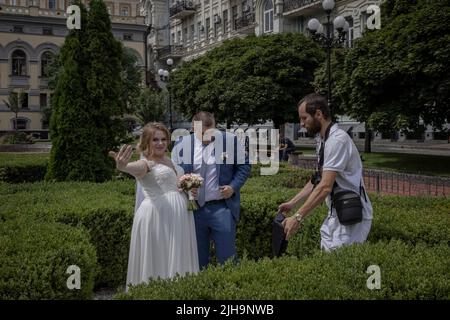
(232, 163)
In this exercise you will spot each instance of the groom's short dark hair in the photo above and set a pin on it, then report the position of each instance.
(206, 118)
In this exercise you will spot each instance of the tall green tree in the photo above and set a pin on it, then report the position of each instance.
(249, 80)
(131, 79)
(151, 105)
(85, 123)
(400, 74)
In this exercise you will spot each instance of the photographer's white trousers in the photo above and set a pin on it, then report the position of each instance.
(334, 235)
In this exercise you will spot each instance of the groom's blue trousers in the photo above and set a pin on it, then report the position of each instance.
(215, 222)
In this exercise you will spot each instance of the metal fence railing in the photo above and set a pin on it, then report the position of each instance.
(390, 182)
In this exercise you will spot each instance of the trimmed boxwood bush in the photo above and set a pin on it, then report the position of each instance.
(22, 168)
(407, 272)
(410, 219)
(105, 210)
(34, 257)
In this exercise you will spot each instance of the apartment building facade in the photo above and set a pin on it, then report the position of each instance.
(31, 31)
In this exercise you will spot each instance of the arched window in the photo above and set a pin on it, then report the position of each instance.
(19, 63)
(268, 16)
(46, 60)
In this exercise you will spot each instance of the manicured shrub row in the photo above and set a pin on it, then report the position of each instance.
(35, 256)
(413, 220)
(407, 272)
(105, 210)
(22, 168)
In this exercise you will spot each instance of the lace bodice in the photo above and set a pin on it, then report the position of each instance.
(160, 179)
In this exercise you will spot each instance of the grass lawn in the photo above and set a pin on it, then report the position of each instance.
(411, 163)
(402, 162)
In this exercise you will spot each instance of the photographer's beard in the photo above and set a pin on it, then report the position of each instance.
(315, 127)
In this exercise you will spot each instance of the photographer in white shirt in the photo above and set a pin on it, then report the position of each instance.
(339, 169)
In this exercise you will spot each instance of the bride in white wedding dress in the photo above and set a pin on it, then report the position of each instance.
(163, 240)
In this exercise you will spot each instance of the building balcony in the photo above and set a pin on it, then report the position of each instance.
(173, 51)
(182, 9)
(300, 7)
(245, 24)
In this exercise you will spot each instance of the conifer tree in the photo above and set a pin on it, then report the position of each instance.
(85, 123)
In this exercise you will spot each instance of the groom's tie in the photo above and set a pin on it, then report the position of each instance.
(201, 190)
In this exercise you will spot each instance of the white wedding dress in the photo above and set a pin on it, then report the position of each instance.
(163, 240)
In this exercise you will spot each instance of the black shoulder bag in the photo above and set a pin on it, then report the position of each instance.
(346, 202)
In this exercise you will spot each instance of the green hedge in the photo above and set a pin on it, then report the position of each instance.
(407, 272)
(413, 220)
(22, 168)
(105, 210)
(34, 257)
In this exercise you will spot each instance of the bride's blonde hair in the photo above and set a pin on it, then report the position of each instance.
(147, 136)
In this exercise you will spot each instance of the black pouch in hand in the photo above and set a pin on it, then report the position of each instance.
(279, 242)
(348, 207)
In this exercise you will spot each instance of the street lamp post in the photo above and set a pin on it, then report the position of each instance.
(164, 76)
(328, 41)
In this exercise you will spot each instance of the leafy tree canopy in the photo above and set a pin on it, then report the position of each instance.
(249, 80)
(400, 73)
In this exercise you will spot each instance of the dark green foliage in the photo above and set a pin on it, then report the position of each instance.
(131, 79)
(16, 138)
(34, 258)
(151, 105)
(23, 173)
(412, 269)
(104, 210)
(249, 80)
(399, 74)
(23, 168)
(407, 272)
(86, 105)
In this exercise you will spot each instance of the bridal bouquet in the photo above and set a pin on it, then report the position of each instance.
(187, 183)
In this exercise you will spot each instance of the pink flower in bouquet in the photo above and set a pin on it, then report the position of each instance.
(188, 182)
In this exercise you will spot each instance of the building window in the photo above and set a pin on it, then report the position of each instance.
(18, 29)
(110, 9)
(192, 33)
(234, 12)
(52, 4)
(208, 26)
(225, 20)
(216, 24)
(350, 34)
(43, 100)
(19, 63)
(20, 125)
(185, 36)
(127, 36)
(13, 2)
(364, 17)
(199, 30)
(125, 11)
(46, 60)
(23, 103)
(178, 36)
(245, 8)
(48, 31)
(268, 16)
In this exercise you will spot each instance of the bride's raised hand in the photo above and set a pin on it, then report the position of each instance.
(122, 157)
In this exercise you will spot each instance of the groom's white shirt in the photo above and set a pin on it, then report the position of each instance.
(212, 191)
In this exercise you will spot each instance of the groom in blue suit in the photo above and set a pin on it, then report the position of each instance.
(221, 160)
